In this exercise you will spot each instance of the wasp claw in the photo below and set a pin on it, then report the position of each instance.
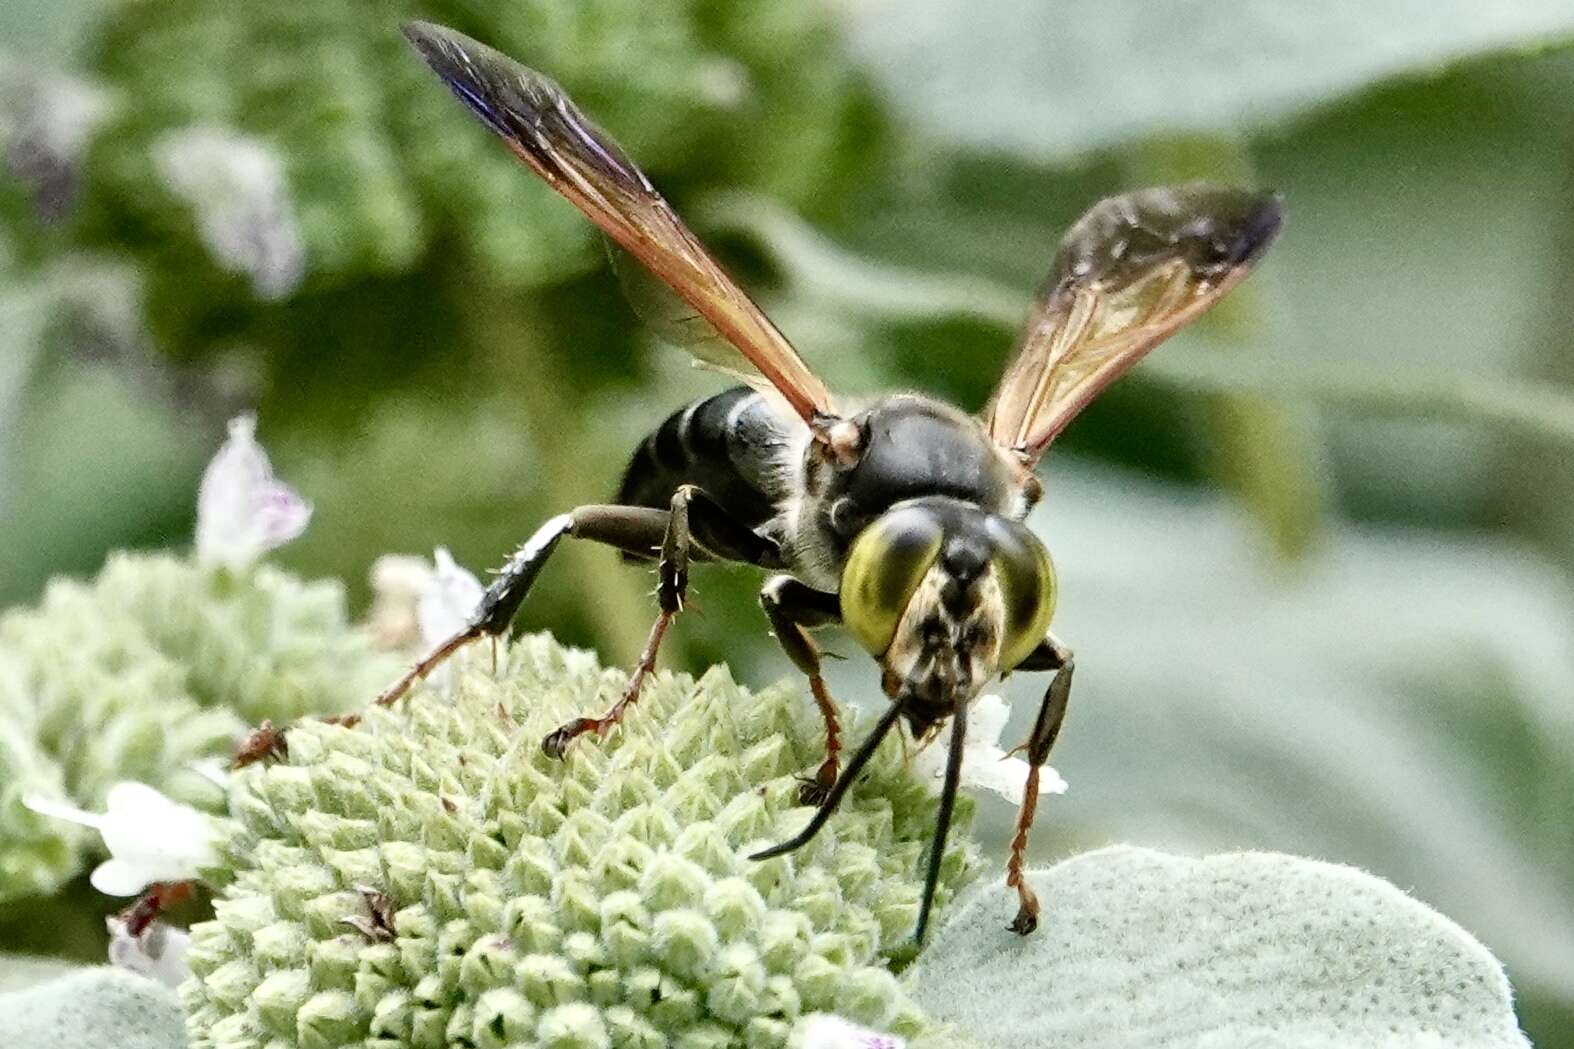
(556, 744)
(1024, 923)
(813, 790)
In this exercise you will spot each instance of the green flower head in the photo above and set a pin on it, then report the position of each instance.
(156, 665)
(431, 878)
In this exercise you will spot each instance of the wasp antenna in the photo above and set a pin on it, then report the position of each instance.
(953, 782)
(844, 783)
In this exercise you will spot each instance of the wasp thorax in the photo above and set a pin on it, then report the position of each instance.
(945, 595)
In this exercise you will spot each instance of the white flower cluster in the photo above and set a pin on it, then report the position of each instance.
(985, 764)
(243, 511)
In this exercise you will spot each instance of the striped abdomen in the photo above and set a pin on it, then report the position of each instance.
(731, 445)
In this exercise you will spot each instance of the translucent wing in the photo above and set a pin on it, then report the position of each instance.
(1130, 273)
(548, 132)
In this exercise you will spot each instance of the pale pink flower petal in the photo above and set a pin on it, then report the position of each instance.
(242, 510)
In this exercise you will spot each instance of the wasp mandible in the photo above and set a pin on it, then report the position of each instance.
(900, 518)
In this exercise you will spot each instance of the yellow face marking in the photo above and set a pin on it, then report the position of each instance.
(963, 658)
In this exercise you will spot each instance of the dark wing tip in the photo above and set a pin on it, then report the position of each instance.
(475, 73)
(437, 45)
(418, 32)
(1224, 228)
(1258, 228)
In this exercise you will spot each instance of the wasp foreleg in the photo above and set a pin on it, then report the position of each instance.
(698, 526)
(1049, 655)
(794, 608)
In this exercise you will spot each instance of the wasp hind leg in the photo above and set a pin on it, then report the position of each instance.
(633, 529)
(695, 525)
(498, 604)
(794, 608)
(1049, 655)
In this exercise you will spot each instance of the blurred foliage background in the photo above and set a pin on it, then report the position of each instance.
(1313, 553)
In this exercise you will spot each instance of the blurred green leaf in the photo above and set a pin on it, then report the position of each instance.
(44, 30)
(90, 455)
(1053, 82)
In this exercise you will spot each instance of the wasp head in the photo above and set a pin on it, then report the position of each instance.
(945, 596)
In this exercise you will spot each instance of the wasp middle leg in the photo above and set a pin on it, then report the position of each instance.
(697, 527)
(794, 608)
(1049, 655)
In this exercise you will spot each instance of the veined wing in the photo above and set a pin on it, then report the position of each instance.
(544, 128)
(1131, 272)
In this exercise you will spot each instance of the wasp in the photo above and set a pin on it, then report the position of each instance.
(900, 517)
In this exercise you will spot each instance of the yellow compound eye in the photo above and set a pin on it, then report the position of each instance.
(1027, 584)
(884, 567)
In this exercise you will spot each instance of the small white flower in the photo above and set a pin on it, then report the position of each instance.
(448, 599)
(150, 838)
(397, 581)
(825, 1031)
(161, 953)
(984, 763)
(417, 603)
(242, 510)
(444, 608)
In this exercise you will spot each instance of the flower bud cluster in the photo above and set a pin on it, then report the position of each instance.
(154, 665)
(431, 877)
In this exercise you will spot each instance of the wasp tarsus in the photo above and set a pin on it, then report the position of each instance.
(1025, 923)
(813, 790)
